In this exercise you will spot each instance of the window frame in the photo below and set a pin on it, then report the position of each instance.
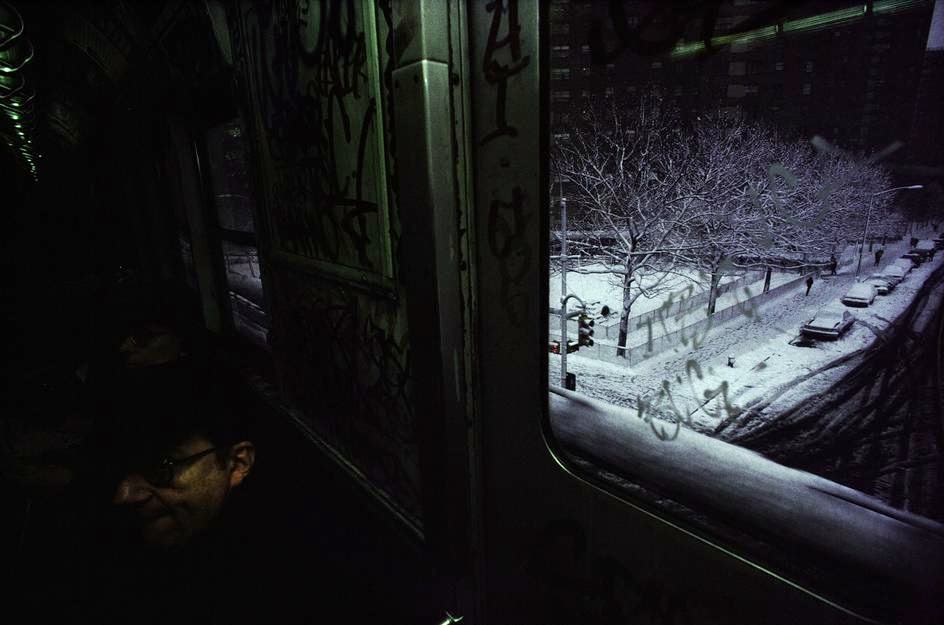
(217, 236)
(906, 536)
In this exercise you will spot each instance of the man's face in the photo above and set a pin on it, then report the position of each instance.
(170, 514)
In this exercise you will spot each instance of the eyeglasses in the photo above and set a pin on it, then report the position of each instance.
(163, 473)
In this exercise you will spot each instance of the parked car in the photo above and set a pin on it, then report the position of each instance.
(896, 272)
(925, 248)
(905, 262)
(882, 283)
(861, 294)
(915, 256)
(829, 323)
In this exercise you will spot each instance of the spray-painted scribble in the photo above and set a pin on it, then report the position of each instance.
(320, 118)
(504, 12)
(320, 100)
(507, 226)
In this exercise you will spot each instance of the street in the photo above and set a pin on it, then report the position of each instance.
(861, 410)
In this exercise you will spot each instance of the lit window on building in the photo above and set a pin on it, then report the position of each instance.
(560, 74)
(807, 88)
(561, 52)
(778, 66)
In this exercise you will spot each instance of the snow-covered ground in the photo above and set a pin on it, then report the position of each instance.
(246, 296)
(599, 289)
(697, 386)
(602, 289)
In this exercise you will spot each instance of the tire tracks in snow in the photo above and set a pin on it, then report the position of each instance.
(818, 425)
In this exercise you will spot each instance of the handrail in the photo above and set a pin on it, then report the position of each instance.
(9, 33)
(753, 492)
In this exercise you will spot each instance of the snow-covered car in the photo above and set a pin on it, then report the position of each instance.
(914, 256)
(896, 272)
(882, 283)
(939, 243)
(829, 323)
(861, 294)
(907, 264)
(925, 248)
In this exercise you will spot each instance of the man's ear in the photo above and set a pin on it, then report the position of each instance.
(242, 456)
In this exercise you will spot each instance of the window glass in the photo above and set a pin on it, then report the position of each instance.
(229, 176)
(731, 233)
(244, 279)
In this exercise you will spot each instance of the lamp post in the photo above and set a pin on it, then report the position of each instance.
(868, 216)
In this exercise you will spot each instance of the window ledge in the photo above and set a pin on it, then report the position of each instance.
(804, 510)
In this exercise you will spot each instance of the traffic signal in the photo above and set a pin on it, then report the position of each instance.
(584, 330)
(554, 347)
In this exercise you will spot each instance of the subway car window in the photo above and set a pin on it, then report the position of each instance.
(743, 269)
(228, 174)
(245, 290)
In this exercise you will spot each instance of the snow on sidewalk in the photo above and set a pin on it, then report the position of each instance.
(698, 385)
(607, 289)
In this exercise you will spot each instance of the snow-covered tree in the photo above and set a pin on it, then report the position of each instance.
(622, 168)
(770, 202)
(650, 197)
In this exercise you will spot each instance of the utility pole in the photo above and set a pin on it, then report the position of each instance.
(868, 215)
(562, 311)
(864, 235)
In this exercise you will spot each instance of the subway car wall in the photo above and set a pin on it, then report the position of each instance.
(276, 325)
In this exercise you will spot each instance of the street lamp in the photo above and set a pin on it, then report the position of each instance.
(868, 215)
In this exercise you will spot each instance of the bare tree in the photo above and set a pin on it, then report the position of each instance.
(845, 187)
(769, 202)
(622, 168)
(739, 197)
(650, 198)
